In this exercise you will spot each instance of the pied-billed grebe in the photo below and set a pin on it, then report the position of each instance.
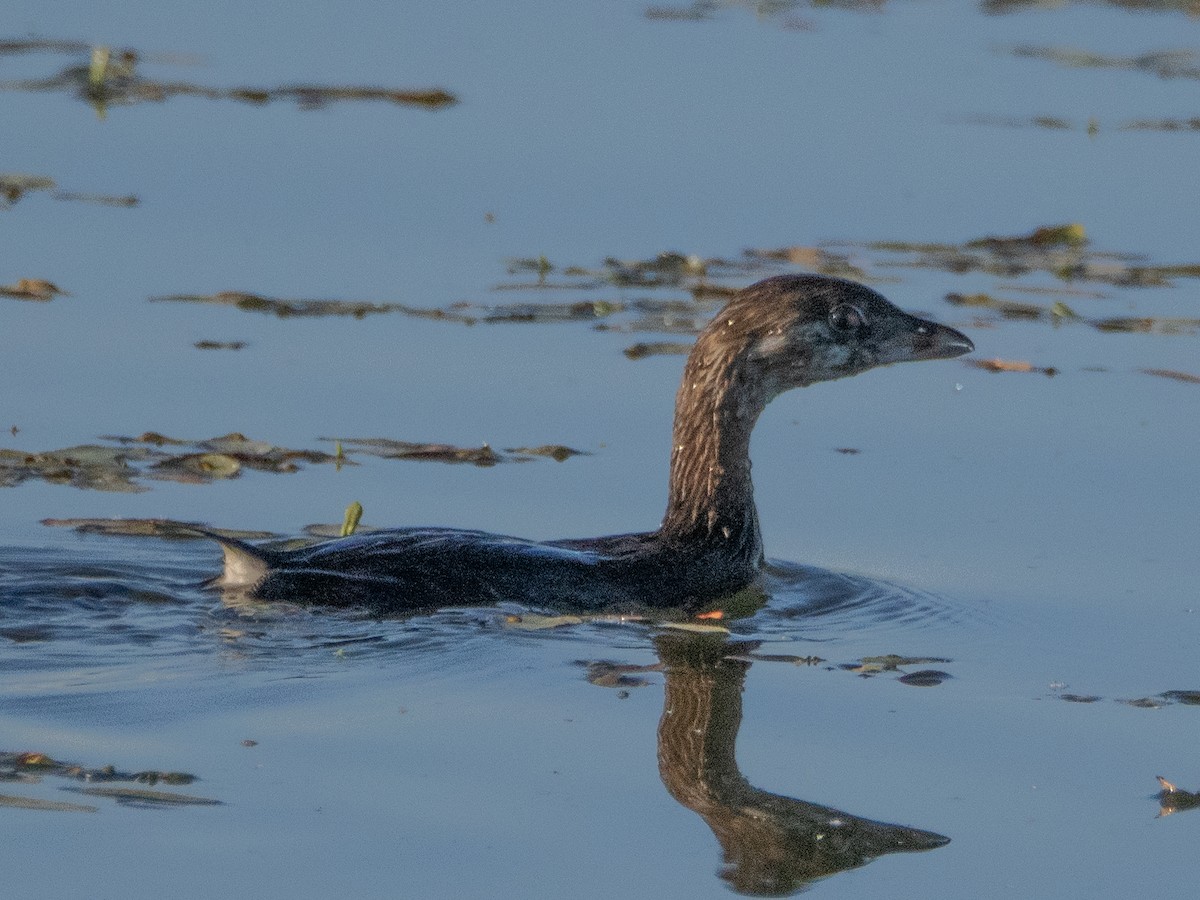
(778, 334)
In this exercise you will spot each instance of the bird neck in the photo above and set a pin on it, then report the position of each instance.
(711, 497)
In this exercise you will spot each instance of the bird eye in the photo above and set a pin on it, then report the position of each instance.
(846, 318)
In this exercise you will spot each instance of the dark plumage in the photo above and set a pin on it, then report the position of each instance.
(778, 334)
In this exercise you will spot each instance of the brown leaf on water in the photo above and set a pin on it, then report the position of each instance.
(1185, 377)
(1010, 365)
(32, 289)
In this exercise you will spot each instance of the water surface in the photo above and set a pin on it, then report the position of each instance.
(1031, 536)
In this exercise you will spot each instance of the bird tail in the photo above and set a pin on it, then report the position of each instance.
(245, 564)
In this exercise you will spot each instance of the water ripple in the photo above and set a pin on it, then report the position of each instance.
(112, 603)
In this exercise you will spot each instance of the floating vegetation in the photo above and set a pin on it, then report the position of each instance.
(110, 77)
(33, 289)
(1010, 365)
(656, 348)
(1060, 250)
(14, 187)
(483, 455)
(701, 276)
(869, 666)
(12, 802)
(995, 7)
(172, 529)
(1186, 377)
(608, 674)
(144, 797)
(1148, 325)
(1192, 124)
(782, 10)
(31, 768)
(1163, 63)
(1173, 799)
(1050, 123)
(123, 465)
(300, 308)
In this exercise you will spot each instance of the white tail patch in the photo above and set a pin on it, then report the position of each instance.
(243, 567)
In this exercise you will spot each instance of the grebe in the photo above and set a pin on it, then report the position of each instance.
(781, 333)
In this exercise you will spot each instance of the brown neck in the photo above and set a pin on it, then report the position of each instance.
(711, 497)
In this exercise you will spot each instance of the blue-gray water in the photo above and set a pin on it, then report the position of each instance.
(1038, 532)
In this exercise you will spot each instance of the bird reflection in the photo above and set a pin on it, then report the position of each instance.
(772, 845)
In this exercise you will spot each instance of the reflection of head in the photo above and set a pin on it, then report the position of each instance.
(773, 845)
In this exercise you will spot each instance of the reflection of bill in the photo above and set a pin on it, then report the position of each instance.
(772, 844)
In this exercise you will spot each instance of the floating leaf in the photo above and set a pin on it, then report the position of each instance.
(32, 289)
(1010, 365)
